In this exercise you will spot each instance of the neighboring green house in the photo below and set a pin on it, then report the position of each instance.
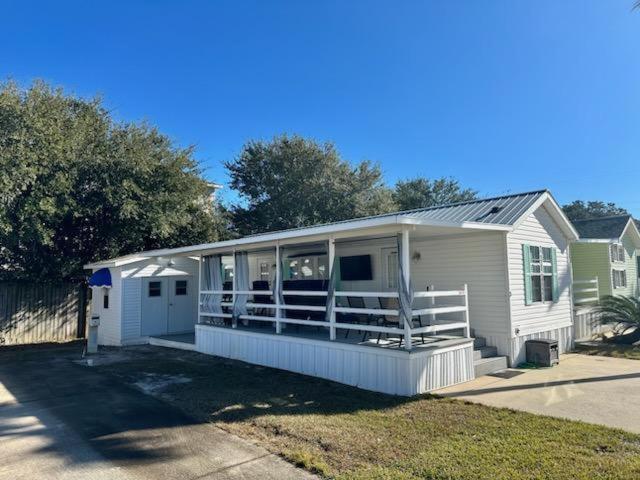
(608, 249)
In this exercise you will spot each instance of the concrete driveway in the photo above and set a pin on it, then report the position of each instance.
(60, 420)
(593, 389)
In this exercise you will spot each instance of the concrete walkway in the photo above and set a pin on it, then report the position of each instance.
(593, 389)
(59, 420)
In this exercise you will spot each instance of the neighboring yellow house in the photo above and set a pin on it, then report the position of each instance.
(608, 249)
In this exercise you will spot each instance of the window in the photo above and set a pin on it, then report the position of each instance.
(308, 268)
(617, 252)
(540, 274)
(155, 289)
(105, 300)
(619, 278)
(181, 287)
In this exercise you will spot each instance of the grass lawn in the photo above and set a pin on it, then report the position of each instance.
(346, 433)
(608, 350)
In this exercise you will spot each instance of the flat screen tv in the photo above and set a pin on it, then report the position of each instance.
(357, 267)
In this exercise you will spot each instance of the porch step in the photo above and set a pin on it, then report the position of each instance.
(484, 352)
(479, 342)
(485, 366)
(486, 359)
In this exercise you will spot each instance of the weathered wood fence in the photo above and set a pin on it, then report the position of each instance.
(35, 313)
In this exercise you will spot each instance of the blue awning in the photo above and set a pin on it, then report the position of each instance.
(100, 278)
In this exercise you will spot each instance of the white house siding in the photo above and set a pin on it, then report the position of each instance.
(538, 229)
(369, 368)
(131, 310)
(109, 330)
(477, 260)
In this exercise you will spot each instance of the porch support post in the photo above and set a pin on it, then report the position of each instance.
(199, 288)
(276, 289)
(406, 269)
(467, 329)
(332, 319)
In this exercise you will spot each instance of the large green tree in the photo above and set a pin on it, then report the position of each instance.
(420, 192)
(291, 182)
(579, 210)
(76, 186)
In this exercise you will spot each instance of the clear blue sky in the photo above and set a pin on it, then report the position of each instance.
(505, 96)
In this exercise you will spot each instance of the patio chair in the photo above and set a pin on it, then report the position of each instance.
(389, 320)
(369, 319)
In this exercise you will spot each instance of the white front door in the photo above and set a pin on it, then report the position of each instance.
(182, 317)
(154, 303)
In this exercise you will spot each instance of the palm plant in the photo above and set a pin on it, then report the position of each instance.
(623, 315)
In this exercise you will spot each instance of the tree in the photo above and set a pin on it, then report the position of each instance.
(421, 193)
(579, 210)
(76, 186)
(292, 182)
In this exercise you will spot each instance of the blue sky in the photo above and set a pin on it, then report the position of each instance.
(505, 96)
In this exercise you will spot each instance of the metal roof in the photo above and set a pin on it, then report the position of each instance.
(504, 210)
(603, 227)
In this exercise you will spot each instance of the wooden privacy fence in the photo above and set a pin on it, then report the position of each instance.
(39, 312)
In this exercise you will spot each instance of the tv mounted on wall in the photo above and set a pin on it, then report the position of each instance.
(357, 267)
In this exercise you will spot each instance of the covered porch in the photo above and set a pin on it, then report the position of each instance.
(358, 288)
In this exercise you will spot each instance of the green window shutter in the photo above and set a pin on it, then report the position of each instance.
(554, 279)
(526, 264)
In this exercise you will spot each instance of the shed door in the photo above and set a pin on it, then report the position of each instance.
(182, 316)
(154, 306)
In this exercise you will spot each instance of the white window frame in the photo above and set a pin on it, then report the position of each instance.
(541, 274)
(621, 281)
(617, 253)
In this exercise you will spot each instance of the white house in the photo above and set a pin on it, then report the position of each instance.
(401, 303)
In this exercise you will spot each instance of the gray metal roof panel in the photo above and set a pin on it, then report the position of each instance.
(504, 210)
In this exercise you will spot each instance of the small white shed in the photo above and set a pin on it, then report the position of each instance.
(148, 297)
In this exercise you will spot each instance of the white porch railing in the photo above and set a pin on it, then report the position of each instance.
(389, 315)
(586, 292)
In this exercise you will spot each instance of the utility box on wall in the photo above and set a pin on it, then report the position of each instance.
(542, 352)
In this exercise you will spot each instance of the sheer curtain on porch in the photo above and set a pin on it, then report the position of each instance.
(241, 284)
(212, 280)
(405, 289)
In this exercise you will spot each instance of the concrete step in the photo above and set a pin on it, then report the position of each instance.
(479, 342)
(484, 352)
(485, 366)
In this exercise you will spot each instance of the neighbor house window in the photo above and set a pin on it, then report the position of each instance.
(617, 252)
(105, 299)
(181, 287)
(155, 289)
(541, 277)
(619, 278)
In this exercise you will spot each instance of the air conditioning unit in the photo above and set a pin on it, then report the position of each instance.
(542, 352)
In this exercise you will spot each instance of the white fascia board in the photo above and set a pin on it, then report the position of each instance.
(115, 262)
(597, 240)
(632, 229)
(556, 213)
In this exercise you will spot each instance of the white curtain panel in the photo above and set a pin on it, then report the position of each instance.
(212, 280)
(241, 273)
(405, 289)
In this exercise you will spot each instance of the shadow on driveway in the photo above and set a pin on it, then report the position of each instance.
(59, 419)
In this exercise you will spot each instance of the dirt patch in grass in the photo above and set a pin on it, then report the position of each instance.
(609, 350)
(347, 433)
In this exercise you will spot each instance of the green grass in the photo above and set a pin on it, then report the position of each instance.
(610, 350)
(346, 433)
